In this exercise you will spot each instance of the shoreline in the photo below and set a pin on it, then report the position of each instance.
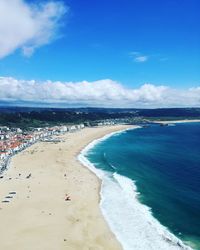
(166, 239)
(92, 144)
(105, 238)
(40, 177)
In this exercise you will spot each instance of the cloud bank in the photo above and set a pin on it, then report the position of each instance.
(28, 26)
(102, 93)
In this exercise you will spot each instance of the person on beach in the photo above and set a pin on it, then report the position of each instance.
(67, 198)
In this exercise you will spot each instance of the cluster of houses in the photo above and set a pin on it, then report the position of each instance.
(14, 140)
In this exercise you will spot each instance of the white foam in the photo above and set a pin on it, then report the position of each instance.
(130, 221)
(82, 156)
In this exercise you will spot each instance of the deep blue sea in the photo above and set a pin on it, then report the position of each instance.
(151, 177)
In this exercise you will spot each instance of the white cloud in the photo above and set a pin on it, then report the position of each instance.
(28, 26)
(141, 59)
(138, 57)
(105, 93)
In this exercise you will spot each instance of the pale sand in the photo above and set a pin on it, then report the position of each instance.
(38, 217)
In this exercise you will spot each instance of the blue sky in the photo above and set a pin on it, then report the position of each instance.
(132, 42)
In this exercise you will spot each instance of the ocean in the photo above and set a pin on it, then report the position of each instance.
(150, 193)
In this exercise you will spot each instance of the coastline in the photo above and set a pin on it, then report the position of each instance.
(165, 239)
(177, 121)
(37, 211)
(82, 158)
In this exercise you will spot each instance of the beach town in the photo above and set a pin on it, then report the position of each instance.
(14, 140)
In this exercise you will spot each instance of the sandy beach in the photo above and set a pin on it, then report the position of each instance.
(38, 216)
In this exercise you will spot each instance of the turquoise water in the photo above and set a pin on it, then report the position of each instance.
(164, 163)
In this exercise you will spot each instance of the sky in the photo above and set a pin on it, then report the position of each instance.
(130, 53)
